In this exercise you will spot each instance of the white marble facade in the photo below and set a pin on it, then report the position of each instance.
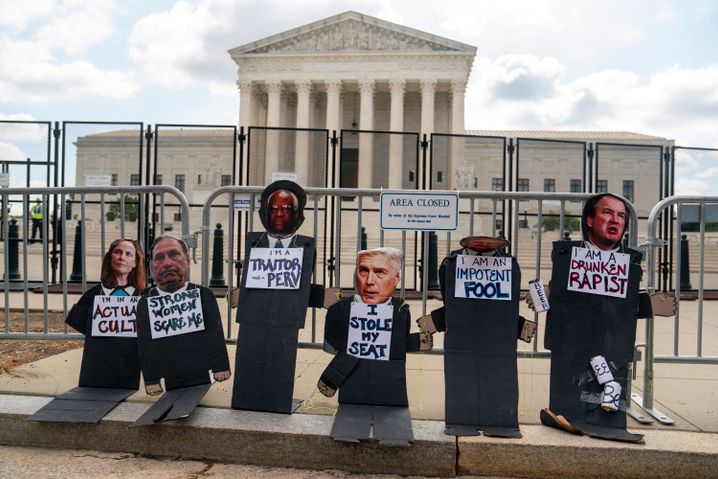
(353, 71)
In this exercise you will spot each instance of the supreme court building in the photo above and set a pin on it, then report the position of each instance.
(381, 87)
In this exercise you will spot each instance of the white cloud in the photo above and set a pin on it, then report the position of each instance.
(16, 14)
(30, 74)
(177, 47)
(529, 92)
(21, 132)
(691, 186)
(685, 162)
(78, 26)
(709, 173)
(11, 152)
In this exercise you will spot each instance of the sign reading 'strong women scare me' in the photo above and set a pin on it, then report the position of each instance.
(177, 313)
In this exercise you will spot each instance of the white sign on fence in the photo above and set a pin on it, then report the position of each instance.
(421, 210)
(98, 180)
(4, 180)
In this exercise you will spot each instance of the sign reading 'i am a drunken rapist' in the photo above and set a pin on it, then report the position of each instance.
(598, 272)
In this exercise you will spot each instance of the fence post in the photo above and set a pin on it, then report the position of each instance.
(217, 279)
(433, 261)
(685, 271)
(363, 238)
(76, 275)
(13, 251)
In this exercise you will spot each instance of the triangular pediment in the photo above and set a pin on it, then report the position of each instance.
(352, 32)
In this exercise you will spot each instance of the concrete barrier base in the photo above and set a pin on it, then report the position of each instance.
(302, 441)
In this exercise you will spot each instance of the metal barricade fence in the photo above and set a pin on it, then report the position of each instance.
(93, 224)
(675, 207)
(351, 217)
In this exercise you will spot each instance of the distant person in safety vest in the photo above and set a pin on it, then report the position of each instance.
(36, 215)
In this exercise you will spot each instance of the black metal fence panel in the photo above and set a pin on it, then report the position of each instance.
(295, 151)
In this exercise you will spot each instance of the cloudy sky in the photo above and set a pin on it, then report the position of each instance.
(644, 66)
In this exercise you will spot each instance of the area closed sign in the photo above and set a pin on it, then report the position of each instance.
(423, 211)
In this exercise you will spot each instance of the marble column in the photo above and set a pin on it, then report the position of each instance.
(366, 122)
(274, 98)
(458, 163)
(428, 89)
(246, 97)
(396, 143)
(301, 153)
(334, 88)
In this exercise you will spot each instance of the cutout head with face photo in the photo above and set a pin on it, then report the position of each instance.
(378, 272)
(604, 220)
(282, 208)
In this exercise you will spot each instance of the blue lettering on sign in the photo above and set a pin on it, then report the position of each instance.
(484, 290)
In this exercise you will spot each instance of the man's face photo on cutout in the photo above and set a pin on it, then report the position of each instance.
(170, 263)
(282, 213)
(606, 226)
(377, 274)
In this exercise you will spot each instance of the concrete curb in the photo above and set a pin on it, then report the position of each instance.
(552, 454)
(302, 441)
(298, 440)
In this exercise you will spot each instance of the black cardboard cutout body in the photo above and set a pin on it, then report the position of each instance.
(184, 361)
(270, 320)
(480, 369)
(580, 326)
(109, 372)
(374, 390)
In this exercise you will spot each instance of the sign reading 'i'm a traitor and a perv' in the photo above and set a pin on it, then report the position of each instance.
(172, 314)
(599, 272)
(483, 277)
(274, 268)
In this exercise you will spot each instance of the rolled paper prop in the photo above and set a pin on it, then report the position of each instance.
(611, 396)
(538, 296)
(601, 370)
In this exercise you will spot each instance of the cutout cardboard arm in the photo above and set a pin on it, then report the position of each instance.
(80, 312)
(527, 329)
(337, 371)
(657, 304)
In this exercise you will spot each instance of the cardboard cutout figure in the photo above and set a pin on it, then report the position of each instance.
(106, 315)
(369, 335)
(591, 326)
(180, 336)
(274, 295)
(481, 287)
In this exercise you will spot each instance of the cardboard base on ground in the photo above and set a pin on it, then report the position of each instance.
(82, 404)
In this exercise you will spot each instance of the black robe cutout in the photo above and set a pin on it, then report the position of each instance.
(109, 372)
(184, 361)
(580, 326)
(480, 361)
(269, 323)
(372, 393)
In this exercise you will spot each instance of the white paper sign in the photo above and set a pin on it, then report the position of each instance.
(424, 211)
(598, 272)
(274, 268)
(4, 180)
(98, 180)
(115, 316)
(243, 202)
(172, 314)
(483, 277)
(370, 331)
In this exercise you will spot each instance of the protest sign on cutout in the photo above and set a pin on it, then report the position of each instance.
(483, 277)
(370, 331)
(598, 272)
(177, 313)
(115, 316)
(274, 268)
